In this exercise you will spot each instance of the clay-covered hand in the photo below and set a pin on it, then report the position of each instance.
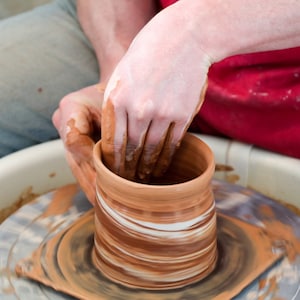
(78, 122)
(152, 97)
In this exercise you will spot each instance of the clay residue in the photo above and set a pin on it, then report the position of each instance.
(232, 178)
(272, 288)
(9, 291)
(115, 164)
(258, 256)
(53, 174)
(281, 234)
(229, 177)
(223, 168)
(26, 196)
(291, 207)
(62, 200)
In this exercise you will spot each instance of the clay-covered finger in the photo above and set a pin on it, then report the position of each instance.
(137, 131)
(156, 138)
(173, 139)
(172, 142)
(114, 137)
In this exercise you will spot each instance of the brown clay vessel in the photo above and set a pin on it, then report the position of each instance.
(159, 235)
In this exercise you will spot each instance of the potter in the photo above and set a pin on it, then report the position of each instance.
(162, 234)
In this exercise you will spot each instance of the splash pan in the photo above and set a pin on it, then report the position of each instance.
(51, 241)
(66, 264)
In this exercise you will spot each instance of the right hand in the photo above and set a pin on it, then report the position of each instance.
(152, 97)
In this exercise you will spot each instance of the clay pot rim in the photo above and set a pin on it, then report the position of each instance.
(155, 187)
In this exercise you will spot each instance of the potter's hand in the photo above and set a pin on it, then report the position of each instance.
(78, 122)
(151, 99)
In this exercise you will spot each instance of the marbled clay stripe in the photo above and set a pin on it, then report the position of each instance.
(158, 236)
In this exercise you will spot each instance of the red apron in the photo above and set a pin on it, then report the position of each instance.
(254, 98)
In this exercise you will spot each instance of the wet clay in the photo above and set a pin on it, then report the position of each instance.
(26, 196)
(160, 235)
(282, 235)
(59, 206)
(66, 264)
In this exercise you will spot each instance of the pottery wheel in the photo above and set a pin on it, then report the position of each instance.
(64, 239)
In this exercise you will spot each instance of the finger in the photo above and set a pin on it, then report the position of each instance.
(137, 131)
(113, 137)
(172, 142)
(76, 128)
(80, 144)
(133, 154)
(155, 140)
(84, 108)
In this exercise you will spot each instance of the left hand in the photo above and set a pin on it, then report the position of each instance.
(78, 121)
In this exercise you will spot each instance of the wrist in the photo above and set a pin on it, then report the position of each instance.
(108, 60)
(210, 27)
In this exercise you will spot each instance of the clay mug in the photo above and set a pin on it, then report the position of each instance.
(162, 234)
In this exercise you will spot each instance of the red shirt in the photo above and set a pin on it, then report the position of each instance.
(254, 98)
(165, 3)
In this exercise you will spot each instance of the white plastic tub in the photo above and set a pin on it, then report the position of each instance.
(42, 168)
(35, 170)
(272, 174)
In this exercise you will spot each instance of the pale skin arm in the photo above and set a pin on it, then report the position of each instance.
(237, 27)
(154, 92)
(110, 28)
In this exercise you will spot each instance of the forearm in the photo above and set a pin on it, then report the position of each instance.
(225, 28)
(111, 25)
